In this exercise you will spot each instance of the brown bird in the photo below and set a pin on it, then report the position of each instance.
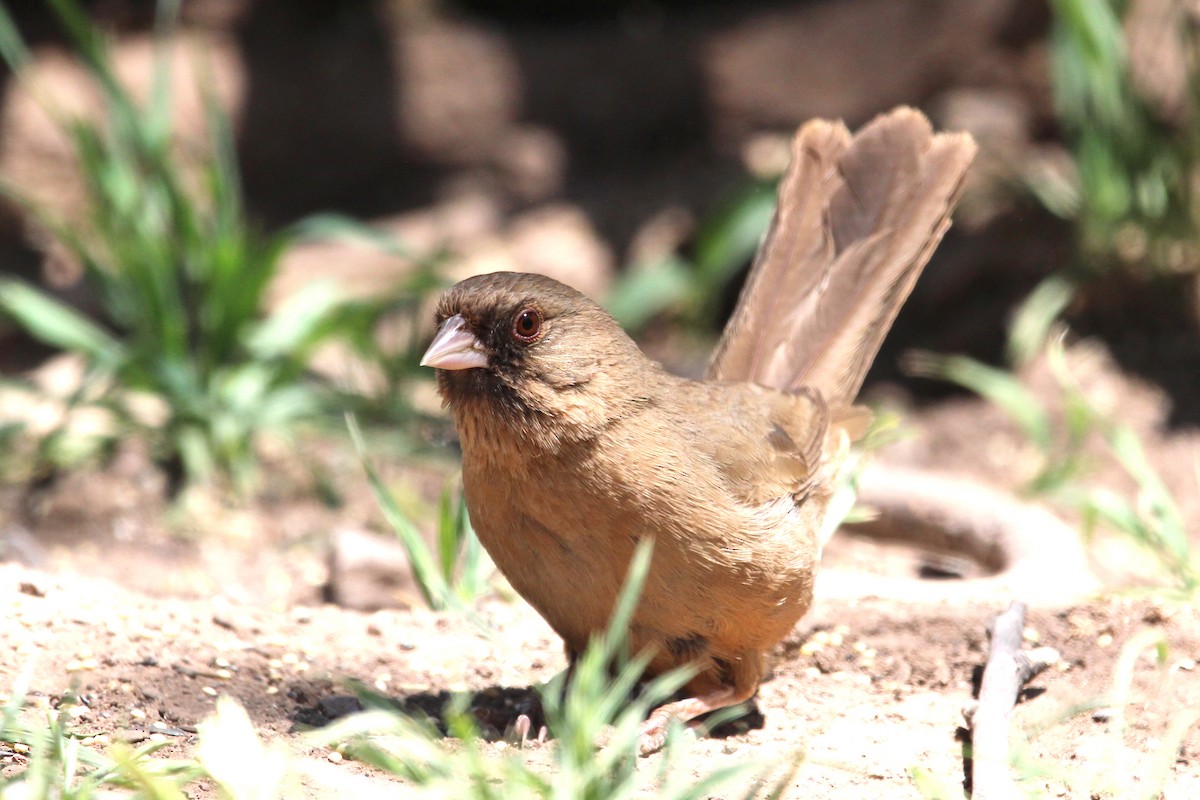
(576, 446)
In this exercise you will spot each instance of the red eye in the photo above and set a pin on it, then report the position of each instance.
(527, 325)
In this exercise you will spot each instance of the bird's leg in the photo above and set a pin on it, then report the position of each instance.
(724, 685)
(572, 661)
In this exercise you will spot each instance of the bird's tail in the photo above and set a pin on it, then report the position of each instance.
(858, 218)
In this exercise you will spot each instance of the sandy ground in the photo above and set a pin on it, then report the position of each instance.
(866, 691)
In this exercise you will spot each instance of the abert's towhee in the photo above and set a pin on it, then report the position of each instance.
(576, 446)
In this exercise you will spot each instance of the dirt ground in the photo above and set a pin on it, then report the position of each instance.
(877, 693)
(869, 692)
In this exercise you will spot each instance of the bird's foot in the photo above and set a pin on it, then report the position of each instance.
(653, 735)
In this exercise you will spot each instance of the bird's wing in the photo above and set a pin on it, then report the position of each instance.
(775, 442)
(858, 218)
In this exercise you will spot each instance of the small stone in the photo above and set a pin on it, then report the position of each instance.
(159, 731)
(334, 757)
(338, 706)
(34, 588)
(368, 571)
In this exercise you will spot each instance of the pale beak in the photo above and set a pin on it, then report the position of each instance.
(455, 347)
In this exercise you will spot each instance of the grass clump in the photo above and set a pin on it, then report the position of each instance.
(60, 764)
(1109, 776)
(456, 571)
(184, 356)
(1126, 93)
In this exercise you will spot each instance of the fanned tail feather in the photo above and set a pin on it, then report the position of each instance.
(857, 220)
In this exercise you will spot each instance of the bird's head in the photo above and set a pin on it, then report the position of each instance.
(527, 350)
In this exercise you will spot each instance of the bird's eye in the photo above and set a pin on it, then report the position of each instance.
(527, 325)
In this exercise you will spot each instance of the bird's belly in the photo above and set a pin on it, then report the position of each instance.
(566, 550)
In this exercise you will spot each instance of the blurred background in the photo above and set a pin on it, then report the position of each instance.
(177, 180)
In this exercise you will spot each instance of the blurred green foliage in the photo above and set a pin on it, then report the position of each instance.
(1062, 432)
(1130, 122)
(181, 275)
(692, 287)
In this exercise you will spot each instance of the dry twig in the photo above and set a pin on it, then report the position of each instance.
(1008, 669)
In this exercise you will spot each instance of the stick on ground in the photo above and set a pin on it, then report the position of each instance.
(1007, 671)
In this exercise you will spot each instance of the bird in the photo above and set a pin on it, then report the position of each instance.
(576, 446)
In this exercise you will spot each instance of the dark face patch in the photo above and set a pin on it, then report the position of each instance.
(511, 359)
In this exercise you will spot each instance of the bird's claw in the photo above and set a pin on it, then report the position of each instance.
(653, 734)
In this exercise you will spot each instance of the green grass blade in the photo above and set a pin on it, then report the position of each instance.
(12, 47)
(1002, 388)
(297, 323)
(477, 566)
(157, 117)
(1035, 318)
(1160, 518)
(635, 579)
(448, 535)
(433, 587)
(56, 324)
